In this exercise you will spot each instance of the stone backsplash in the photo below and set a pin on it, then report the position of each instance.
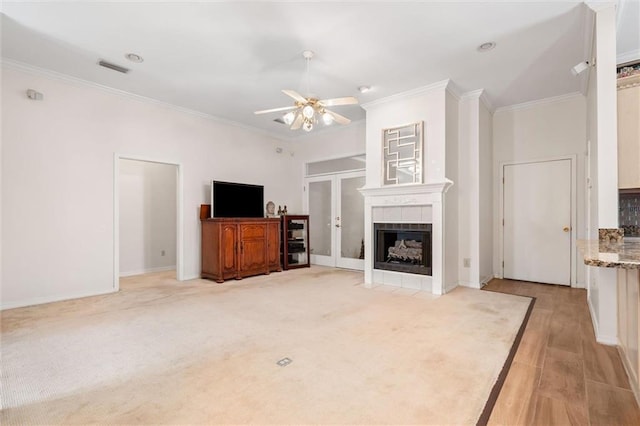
(610, 235)
(629, 217)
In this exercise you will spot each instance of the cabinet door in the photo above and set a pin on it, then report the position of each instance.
(273, 246)
(632, 319)
(228, 260)
(253, 247)
(628, 137)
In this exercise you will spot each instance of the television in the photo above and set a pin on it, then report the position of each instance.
(229, 199)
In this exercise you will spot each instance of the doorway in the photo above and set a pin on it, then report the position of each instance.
(538, 221)
(336, 219)
(147, 217)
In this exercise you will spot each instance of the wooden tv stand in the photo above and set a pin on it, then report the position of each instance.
(240, 247)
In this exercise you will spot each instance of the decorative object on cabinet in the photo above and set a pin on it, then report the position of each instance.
(402, 154)
(205, 211)
(271, 209)
(295, 241)
(240, 247)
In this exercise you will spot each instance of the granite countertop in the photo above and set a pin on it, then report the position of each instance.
(625, 254)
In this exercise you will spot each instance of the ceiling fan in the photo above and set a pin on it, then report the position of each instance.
(306, 112)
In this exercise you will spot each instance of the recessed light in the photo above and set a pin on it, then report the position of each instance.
(364, 89)
(485, 47)
(134, 57)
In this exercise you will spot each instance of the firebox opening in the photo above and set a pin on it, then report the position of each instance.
(403, 247)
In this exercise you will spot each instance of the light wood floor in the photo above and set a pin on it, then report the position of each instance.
(560, 374)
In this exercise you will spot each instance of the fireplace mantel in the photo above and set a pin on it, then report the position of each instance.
(406, 190)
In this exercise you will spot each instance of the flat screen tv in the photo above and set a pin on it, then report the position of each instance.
(229, 199)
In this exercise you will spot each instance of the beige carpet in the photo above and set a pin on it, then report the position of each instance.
(161, 351)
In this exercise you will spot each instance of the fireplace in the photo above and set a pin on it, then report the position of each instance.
(403, 247)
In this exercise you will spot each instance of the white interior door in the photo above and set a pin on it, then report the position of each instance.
(336, 219)
(537, 222)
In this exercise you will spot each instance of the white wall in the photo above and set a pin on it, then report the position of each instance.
(541, 130)
(485, 196)
(452, 260)
(592, 188)
(468, 189)
(338, 142)
(58, 179)
(607, 128)
(475, 191)
(147, 217)
(427, 105)
(602, 131)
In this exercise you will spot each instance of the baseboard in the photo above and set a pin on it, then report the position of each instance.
(191, 277)
(627, 368)
(51, 299)
(603, 339)
(477, 285)
(484, 281)
(580, 285)
(147, 271)
(468, 284)
(448, 287)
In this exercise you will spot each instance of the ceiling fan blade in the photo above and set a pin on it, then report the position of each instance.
(295, 95)
(297, 122)
(266, 111)
(347, 100)
(337, 117)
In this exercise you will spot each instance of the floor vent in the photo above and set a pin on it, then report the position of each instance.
(284, 362)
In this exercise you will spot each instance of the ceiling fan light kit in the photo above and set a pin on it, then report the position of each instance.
(288, 118)
(308, 111)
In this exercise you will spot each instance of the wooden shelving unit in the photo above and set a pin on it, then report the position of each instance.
(294, 248)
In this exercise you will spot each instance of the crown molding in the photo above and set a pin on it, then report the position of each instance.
(440, 85)
(539, 102)
(484, 98)
(599, 5)
(454, 90)
(31, 69)
(481, 95)
(474, 94)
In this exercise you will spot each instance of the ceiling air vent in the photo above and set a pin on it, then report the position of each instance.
(114, 67)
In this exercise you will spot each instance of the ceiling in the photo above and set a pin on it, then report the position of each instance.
(228, 59)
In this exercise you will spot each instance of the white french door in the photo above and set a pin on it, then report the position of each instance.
(537, 236)
(336, 219)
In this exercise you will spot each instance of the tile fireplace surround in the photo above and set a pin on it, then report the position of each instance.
(419, 203)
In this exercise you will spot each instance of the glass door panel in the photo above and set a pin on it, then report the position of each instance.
(320, 208)
(350, 220)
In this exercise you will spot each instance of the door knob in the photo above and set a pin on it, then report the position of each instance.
(566, 229)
